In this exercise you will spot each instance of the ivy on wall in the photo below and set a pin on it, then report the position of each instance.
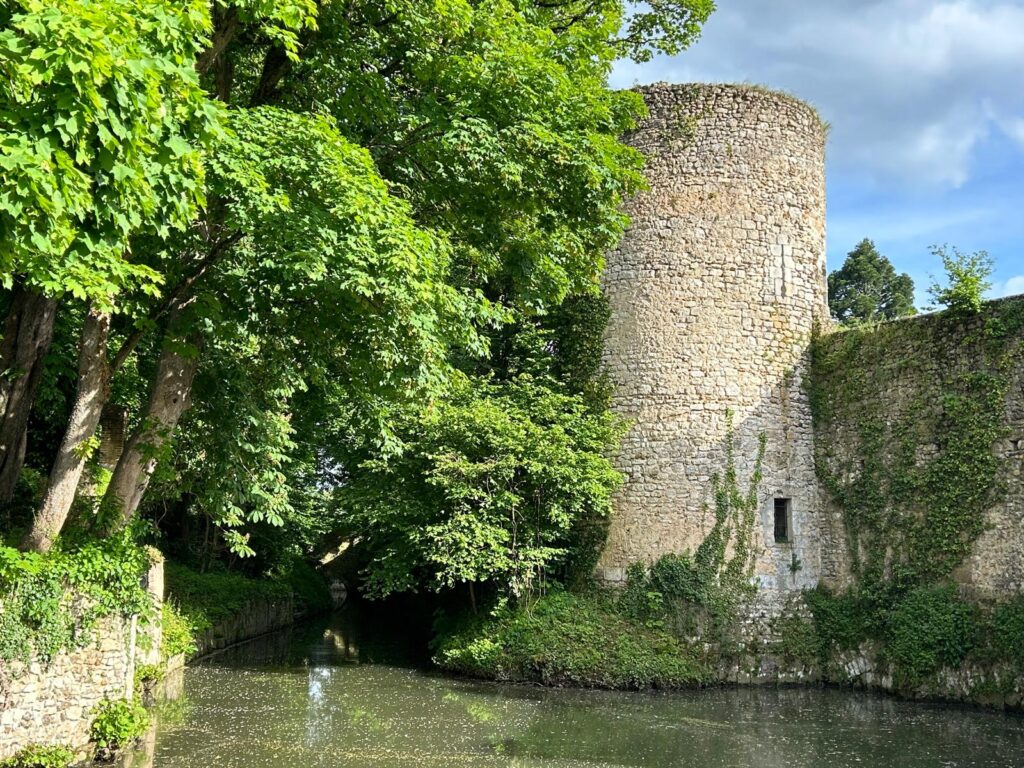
(52, 602)
(907, 415)
(698, 594)
(908, 430)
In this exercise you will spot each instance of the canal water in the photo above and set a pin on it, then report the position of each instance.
(337, 694)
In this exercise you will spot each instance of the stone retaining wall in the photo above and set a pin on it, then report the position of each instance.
(257, 619)
(51, 703)
(764, 661)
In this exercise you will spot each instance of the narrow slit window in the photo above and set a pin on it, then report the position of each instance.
(783, 508)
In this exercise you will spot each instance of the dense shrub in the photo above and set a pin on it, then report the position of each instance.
(39, 756)
(1007, 632)
(842, 621)
(490, 489)
(199, 601)
(930, 628)
(117, 723)
(206, 599)
(178, 634)
(307, 584)
(566, 639)
(50, 602)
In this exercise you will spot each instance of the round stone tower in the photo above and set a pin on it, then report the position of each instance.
(714, 291)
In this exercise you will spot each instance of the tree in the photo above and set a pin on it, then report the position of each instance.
(867, 289)
(104, 122)
(967, 276)
(380, 197)
(488, 490)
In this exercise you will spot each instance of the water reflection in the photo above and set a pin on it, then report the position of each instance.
(342, 694)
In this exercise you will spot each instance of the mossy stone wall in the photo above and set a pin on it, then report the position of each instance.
(919, 444)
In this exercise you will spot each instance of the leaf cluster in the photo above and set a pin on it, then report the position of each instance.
(51, 602)
(104, 126)
(487, 489)
(967, 276)
(117, 723)
(40, 756)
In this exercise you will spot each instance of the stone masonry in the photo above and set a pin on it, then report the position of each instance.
(714, 292)
(52, 703)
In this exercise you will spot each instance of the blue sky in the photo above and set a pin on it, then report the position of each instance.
(926, 103)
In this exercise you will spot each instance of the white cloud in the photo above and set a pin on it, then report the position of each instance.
(1014, 128)
(1012, 287)
(911, 87)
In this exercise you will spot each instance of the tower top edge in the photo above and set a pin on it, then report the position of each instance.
(682, 92)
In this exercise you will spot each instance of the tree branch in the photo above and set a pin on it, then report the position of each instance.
(227, 26)
(276, 65)
(175, 298)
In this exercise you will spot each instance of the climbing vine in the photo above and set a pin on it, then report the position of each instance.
(698, 593)
(909, 432)
(907, 416)
(51, 602)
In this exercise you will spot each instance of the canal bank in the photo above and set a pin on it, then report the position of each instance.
(75, 692)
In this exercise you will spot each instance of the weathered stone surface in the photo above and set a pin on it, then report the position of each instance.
(714, 292)
(51, 703)
(905, 374)
(258, 618)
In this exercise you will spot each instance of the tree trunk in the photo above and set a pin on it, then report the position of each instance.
(92, 394)
(27, 333)
(169, 398)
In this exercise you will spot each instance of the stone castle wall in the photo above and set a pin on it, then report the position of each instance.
(52, 702)
(714, 291)
(898, 378)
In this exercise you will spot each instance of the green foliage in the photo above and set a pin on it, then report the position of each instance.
(117, 723)
(698, 593)
(488, 489)
(967, 276)
(577, 327)
(1006, 636)
(913, 484)
(197, 602)
(306, 583)
(39, 756)
(914, 479)
(566, 639)
(929, 628)
(104, 124)
(527, 186)
(178, 635)
(146, 674)
(662, 28)
(867, 289)
(844, 621)
(205, 599)
(343, 214)
(51, 602)
(917, 632)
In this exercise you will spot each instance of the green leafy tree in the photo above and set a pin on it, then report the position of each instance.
(867, 288)
(381, 195)
(967, 276)
(103, 123)
(487, 490)
(524, 190)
